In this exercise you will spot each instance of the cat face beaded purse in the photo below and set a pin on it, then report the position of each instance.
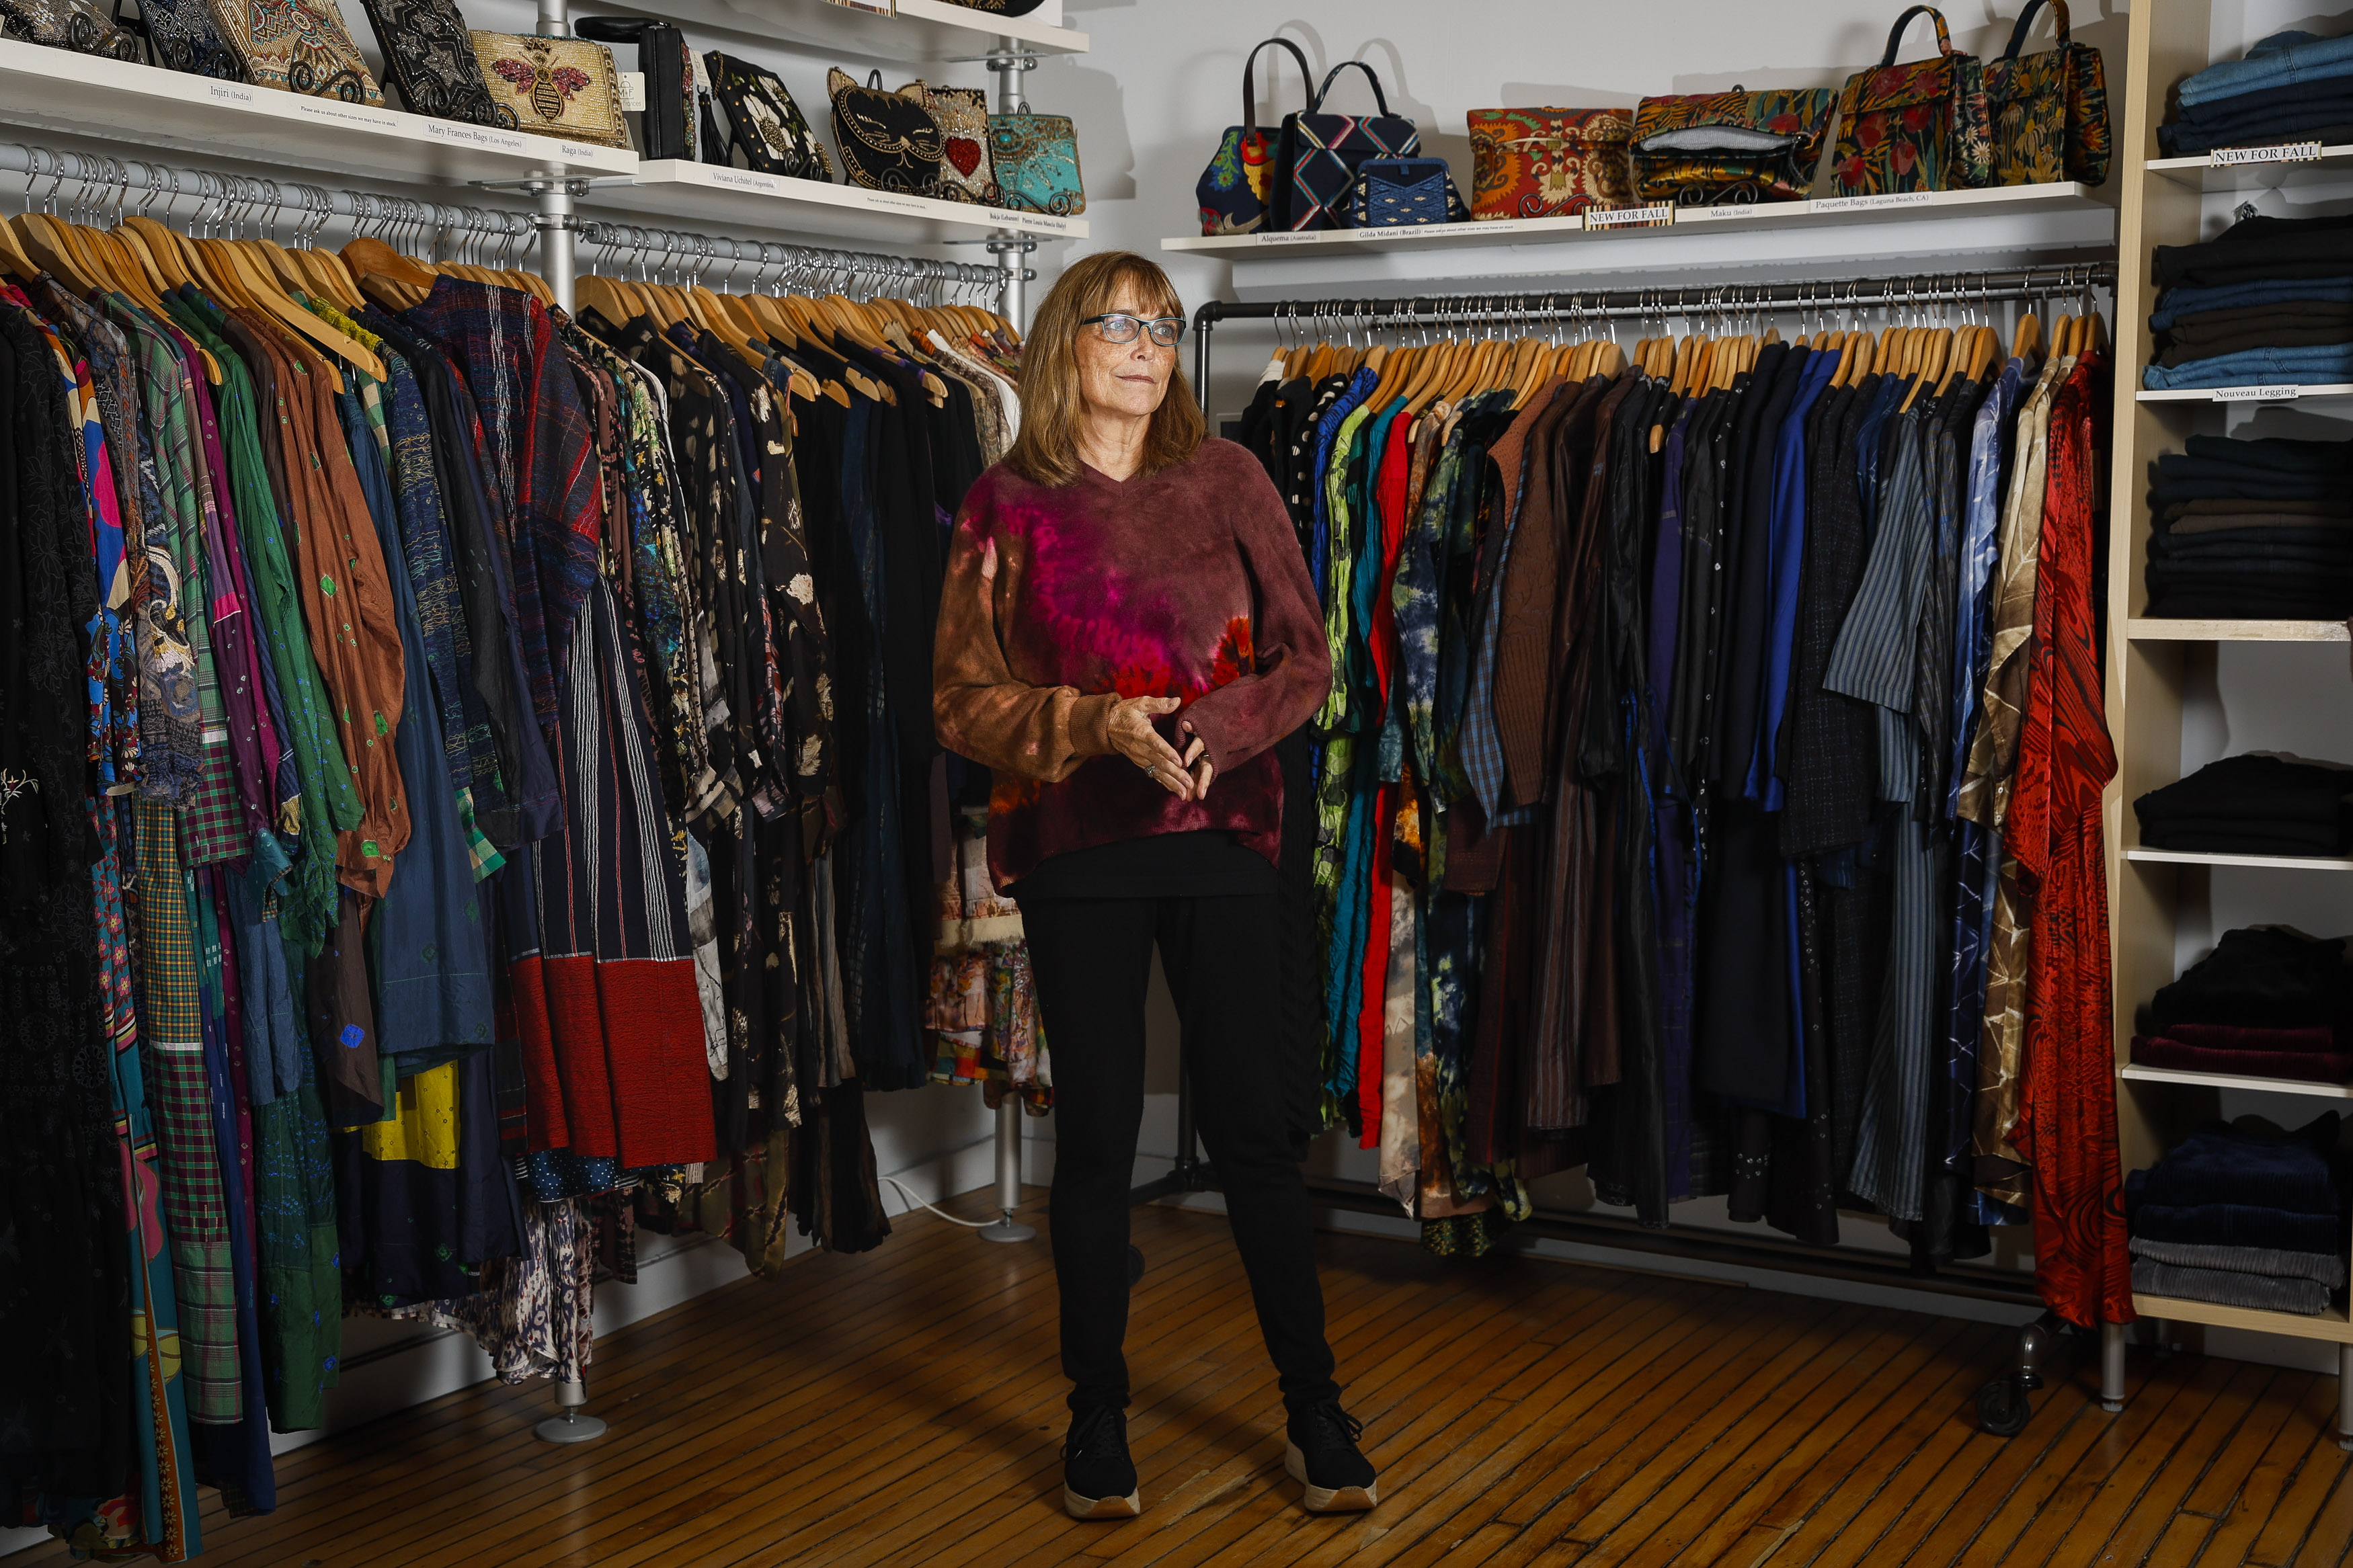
(765, 124)
(889, 140)
(429, 58)
(1036, 160)
(75, 24)
(181, 38)
(553, 87)
(1542, 162)
(303, 47)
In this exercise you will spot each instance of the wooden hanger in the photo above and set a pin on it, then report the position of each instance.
(13, 256)
(50, 246)
(2029, 338)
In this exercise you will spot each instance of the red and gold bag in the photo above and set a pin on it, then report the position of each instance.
(1541, 163)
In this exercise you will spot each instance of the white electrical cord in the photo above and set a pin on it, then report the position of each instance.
(908, 1193)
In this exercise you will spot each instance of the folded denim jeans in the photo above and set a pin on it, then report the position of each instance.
(2284, 58)
(2326, 1268)
(2325, 366)
(2235, 1225)
(2205, 113)
(2176, 303)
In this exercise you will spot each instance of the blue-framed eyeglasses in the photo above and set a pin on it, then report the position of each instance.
(1119, 327)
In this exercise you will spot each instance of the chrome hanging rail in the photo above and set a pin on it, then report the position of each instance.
(660, 254)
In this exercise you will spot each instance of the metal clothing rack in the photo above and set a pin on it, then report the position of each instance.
(1724, 305)
(661, 253)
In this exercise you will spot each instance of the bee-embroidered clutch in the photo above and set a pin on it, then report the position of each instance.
(553, 87)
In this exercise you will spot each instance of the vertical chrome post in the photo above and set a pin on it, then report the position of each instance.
(1008, 1173)
(556, 221)
(2111, 1367)
(2345, 1396)
(1010, 246)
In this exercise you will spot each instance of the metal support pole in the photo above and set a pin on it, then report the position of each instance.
(556, 224)
(2345, 1396)
(1008, 1175)
(2111, 1367)
(567, 1424)
(1005, 65)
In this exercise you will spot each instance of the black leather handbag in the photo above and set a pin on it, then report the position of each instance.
(668, 66)
(889, 140)
(430, 59)
(763, 121)
(181, 38)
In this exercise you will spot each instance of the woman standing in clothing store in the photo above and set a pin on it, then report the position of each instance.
(1126, 630)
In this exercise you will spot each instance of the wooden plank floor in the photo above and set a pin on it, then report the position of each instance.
(905, 1406)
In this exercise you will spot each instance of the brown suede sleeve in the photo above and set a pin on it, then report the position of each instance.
(978, 708)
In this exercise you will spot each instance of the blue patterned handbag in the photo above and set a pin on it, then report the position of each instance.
(1036, 157)
(1322, 153)
(1400, 191)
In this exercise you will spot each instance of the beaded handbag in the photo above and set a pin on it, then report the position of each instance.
(297, 46)
(553, 87)
(429, 58)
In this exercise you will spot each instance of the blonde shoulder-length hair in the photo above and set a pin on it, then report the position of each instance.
(1047, 450)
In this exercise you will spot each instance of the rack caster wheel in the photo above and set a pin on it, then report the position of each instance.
(2003, 1408)
(1134, 1265)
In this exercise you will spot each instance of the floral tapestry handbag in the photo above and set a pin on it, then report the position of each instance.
(297, 46)
(181, 38)
(553, 87)
(767, 124)
(962, 113)
(1729, 148)
(889, 140)
(1322, 152)
(1036, 160)
(1233, 190)
(1542, 162)
(75, 24)
(1406, 191)
(666, 129)
(1917, 127)
(429, 58)
(2049, 111)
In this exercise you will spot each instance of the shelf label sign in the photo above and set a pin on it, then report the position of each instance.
(1287, 236)
(2281, 393)
(2282, 152)
(476, 135)
(225, 92)
(1660, 214)
(1876, 202)
(743, 179)
(878, 7)
(1043, 221)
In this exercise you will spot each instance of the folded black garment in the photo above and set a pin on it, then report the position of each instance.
(2250, 788)
(2238, 572)
(2322, 547)
(2259, 1292)
(2236, 1225)
(2255, 1162)
(2235, 835)
(2331, 506)
(2262, 977)
(2325, 1268)
(2276, 329)
(2262, 247)
(2321, 119)
(2164, 494)
(2273, 453)
(2225, 523)
(2188, 602)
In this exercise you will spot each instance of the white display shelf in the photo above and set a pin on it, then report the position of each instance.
(2281, 393)
(2335, 162)
(2164, 629)
(922, 31)
(2139, 1074)
(83, 94)
(732, 199)
(2244, 862)
(2330, 1325)
(1833, 212)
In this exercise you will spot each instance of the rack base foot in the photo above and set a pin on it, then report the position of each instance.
(569, 1427)
(2111, 1367)
(1006, 1228)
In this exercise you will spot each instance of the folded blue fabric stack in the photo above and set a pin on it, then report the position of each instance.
(2291, 87)
(2243, 1214)
(2251, 530)
(2267, 301)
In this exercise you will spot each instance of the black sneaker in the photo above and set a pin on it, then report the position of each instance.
(1320, 1454)
(1098, 1477)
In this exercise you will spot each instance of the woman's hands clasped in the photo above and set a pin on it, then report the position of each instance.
(1187, 775)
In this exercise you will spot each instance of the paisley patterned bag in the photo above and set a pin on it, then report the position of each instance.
(1036, 159)
(1729, 148)
(1540, 163)
(889, 140)
(2049, 111)
(427, 58)
(962, 115)
(181, 38)
(766, 123)
(297, 46)
(553, 87)
(75, 24)
(1921, 127)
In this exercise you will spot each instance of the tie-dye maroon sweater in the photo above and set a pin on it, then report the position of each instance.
(1060, 601)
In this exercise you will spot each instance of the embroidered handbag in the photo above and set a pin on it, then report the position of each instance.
(1539, 162)
(889, 140)
(1917, 127)
(1729, 148)
(962, 115)
(667, 126)
(553, 87)
(75, 24)
(1233, 191)
(764, 123)
(2050, 112)
(1322, 153)
(303, 46)
(181, 38)
(429, 58)
(1405, 191)
(1036, 161)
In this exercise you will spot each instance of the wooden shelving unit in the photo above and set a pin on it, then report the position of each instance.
(2154, 666)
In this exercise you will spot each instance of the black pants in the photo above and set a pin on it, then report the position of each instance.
(1092, 958)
